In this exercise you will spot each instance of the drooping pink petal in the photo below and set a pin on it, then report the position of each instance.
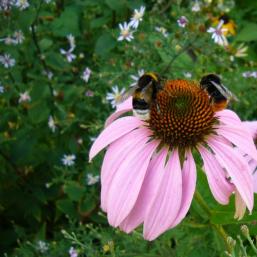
(252, 127)
(127, 182)
(147, 192)
(115, 155)
(114, 131)
(228, 117)
(236, 167)
(220, 187)
(122, 108)
(240, 206)
(165, 206)
(240, 137)
(188, 187)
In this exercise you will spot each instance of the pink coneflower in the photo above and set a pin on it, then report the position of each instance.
(149, 174)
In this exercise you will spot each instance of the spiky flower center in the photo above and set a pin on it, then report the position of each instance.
(182, 114)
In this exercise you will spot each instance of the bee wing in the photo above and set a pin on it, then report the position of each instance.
(127, 94)
(225, 92)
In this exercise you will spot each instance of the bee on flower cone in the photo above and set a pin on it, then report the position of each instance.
(149, 174)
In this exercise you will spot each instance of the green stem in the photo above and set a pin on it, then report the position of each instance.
(217, 227)
(251, 243)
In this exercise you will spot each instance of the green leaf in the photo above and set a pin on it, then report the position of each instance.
(87, 205)
(248, 33)
(45, 43)
(67, 23)
(105, 44)
(116, 5)
(39, 112)
(67, 207)
(74, 191)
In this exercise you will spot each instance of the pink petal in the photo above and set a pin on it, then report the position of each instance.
(115, 155)
(228, 117)
(188, 187)
(166, 204)
(220, 187)
(240, 137)
(122, 108)
(127, 182)
(252, 127)
(236, 167)
(114, 131)
(147, 192)
(240, 206)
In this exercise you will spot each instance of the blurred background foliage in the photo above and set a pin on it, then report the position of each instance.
(52, 107)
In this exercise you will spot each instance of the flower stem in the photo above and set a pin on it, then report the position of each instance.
(217, 227)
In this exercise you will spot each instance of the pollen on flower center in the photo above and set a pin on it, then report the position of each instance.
(182, 114)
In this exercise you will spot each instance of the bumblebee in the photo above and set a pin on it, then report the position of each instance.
(219, 95)
(145, 93)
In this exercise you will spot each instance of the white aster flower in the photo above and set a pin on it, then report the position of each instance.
(182, 21)
(7, 61)
(68, 54)
(71, 40)
(73, 252)
(91, 179)
(51, 123)
(42, 246)
(6, 5)
(241, 51)
(22, 4)
(125, 33)
(250, 74)
(196, 7)
(86, 74)
(137, 17)
(68, 160)
(1, 89)
(188, 75)
(18, 37)
(24, 97)
(136, 77)
(218, 34)
(115, 96)
(8, 40)
(162, 30)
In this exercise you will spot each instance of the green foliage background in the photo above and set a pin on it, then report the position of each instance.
(41, 200)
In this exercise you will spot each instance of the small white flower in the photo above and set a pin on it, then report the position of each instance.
(182, 21)
(24, 97)
(125, 32)
(68, 160)
(188, 75)
(9, 40)
(136, 77)
(196, 7)
(115, 96)
(249, 74)
(68, 54)
(91, 179)
(92, 139)
(48, 1)
(241, 51)
(51, 123)
(18, 37)
(1, 89)
(73, 252)
(71, 40)
(86, 74)
(42, 246)
(7, 61)
(22, 4)
(162, 30)
(6, 5)
(89, 93)
(80, 141)
(137, 17)
(217, 34)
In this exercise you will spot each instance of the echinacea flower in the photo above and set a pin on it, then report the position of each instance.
(149, 174)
